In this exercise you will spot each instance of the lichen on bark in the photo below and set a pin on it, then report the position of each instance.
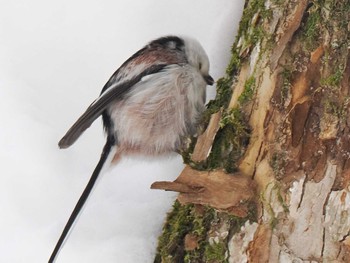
(284, 122)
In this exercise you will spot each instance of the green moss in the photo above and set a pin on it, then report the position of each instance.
(331, 107)
(286, 83)
(216, 253)
(233, 131)
(230, 142)
(235, 62)
(248, 91)
(312, 28)
(171, 242)
(332, 104)
(223, 96)
(201, 226)
(278, 163)
(272, 191)
(187, 219)
(267, 204)
(257, 34)
(187, 153)
(278, 2)
(182, 220)
(326, 15)
(340, 10)
(283, 202)
(344, 111)
(253, 7)
(278, 190)
(273, 222)
(228, 147)
(338, 28)
(233, 135)
(336, 59)
(336, 107)
(251, 30)
(334, 79)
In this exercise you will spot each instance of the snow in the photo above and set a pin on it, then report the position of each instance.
(55, 57)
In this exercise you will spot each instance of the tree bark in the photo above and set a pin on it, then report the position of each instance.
(280, 120)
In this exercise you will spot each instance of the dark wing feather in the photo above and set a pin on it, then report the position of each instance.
(97, 107)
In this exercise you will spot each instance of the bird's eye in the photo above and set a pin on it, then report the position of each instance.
(200, 66)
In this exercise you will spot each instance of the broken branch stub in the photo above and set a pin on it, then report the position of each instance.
(230, 193)
(205, 141)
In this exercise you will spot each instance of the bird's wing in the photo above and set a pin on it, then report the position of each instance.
(113, 92)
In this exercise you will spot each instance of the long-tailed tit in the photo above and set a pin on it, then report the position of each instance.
(148, 106)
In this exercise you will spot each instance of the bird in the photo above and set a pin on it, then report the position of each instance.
(149, 106)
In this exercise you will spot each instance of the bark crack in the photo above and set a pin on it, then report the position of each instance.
(256, 161)
(302, 193)
(323, 241)
(345, 237)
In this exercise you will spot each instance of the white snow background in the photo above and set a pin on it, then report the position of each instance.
(55, 57)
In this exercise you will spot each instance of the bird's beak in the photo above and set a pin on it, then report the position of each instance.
(209, 80)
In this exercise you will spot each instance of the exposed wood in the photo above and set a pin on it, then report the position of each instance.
(205, 140)
(259, 248)
(243, 76)
(290, 80)
(230, 193)
(285, 32)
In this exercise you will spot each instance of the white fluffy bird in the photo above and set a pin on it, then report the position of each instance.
(149, 106)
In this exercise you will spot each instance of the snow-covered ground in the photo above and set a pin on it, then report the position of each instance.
(55, 56)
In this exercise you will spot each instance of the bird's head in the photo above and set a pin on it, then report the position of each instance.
(198, 58)
(191, 50)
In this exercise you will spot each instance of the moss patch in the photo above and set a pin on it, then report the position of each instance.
(333, 80)
(253, 8)
(201, 222)
(216, 253)
(235, 62)
(171, 242)
(182, 220)
(278, 163)
(248, 92)
(230, 143)
(223, 96)
(286, 83)
(228, 147)
(312, 27)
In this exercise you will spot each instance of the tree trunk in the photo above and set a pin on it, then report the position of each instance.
(268, 181)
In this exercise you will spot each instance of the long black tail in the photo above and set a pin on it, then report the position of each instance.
(106, 150)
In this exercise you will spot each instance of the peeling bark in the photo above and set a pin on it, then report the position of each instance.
(205, 140)
(290, 75)
(225, 192)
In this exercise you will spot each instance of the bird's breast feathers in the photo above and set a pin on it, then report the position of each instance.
(159, 110)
